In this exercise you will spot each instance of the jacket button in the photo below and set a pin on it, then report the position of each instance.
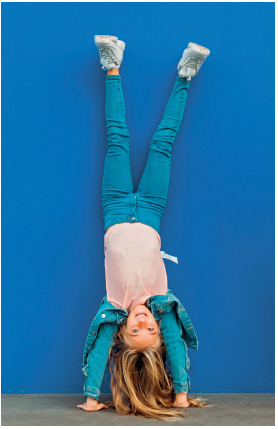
(103, 316)
(93, 332)
(161, 311)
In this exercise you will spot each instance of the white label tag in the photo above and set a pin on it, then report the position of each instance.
(172, 258)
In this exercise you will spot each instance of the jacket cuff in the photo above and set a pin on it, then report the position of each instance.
(182, 387)
(92, 392)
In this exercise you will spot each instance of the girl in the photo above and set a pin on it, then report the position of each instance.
(141, 328)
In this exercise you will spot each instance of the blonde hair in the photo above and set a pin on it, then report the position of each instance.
(140, 381)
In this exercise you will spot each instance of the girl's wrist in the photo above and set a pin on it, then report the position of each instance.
(91, 401)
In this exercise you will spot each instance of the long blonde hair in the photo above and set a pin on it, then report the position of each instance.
(141, 383)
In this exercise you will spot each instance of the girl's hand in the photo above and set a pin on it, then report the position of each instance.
(92, 405)
(181, 400)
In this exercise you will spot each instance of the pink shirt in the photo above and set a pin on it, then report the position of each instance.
(134, 268)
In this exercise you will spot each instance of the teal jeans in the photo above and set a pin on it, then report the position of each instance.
(119, 202)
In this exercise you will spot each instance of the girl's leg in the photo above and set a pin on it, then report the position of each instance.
(117, 182)
(153, 187)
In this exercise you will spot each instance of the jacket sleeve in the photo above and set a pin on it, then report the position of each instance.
(176, 350)
(98, 358)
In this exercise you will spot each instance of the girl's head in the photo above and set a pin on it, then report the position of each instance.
(140, 380)
(140, 383)
(141, 330)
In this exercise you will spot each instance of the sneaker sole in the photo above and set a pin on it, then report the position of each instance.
(105, 39)
(198, 48)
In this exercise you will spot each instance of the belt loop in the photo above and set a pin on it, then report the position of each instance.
(134, 206)
(132, 203)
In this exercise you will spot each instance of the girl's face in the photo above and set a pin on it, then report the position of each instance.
(142, 331)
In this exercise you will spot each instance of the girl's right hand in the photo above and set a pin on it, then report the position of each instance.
(181, 400)
(92, 405)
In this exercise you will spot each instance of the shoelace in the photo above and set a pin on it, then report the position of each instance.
(193, 62)
(108, 55)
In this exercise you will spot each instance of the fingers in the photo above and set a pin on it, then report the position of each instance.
(180, 406)
(100, 406)
(96, 408)
(82, 407)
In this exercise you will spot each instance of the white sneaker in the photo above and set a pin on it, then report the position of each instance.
(192, 59)
(111, 51)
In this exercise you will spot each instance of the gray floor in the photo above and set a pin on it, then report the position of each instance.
(231, 409)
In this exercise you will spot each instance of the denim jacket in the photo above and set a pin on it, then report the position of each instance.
(175, 326)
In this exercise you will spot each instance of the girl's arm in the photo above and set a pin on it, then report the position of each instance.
(97, 360)
(176, 350)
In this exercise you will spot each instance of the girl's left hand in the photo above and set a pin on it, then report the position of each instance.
(91, 405)
(181, 400)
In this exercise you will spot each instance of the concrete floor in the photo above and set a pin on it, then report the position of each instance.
(231, 409)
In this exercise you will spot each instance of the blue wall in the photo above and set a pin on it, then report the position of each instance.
(219, 218)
